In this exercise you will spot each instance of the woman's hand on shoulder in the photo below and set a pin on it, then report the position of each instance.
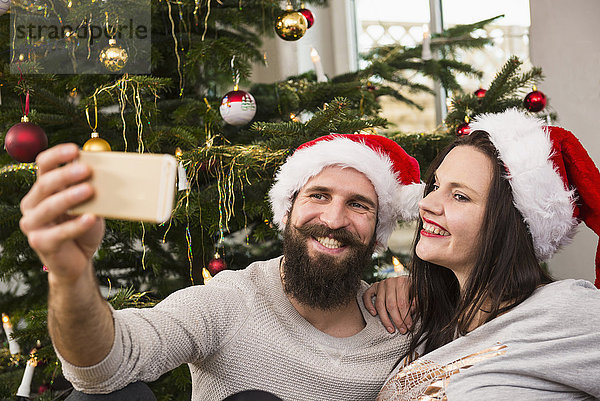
(389, 299)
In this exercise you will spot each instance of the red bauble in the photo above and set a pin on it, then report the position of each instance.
(216, 265)
(463, 129)
(535, 101)
(480, 92)
(310, 18)
(43, 388)
(24, 141)
(209, 166)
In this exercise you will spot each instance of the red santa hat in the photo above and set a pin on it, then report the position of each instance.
(555, 183)
(393, 172)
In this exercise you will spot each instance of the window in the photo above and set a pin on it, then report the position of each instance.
(382, 22)
(510, 34)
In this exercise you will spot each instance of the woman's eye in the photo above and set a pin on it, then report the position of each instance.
(460, 197)
(435, 187)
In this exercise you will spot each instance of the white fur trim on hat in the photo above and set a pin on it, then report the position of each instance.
(539, 192)
(307, 162)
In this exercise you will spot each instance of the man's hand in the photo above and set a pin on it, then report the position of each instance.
(79, 319)
(391, 303)
(64, 243)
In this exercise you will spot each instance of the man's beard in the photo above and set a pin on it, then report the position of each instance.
(323, 281)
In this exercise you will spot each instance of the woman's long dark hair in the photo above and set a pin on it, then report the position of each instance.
(506, 270)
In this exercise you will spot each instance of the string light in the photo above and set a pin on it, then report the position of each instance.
(398, 266)
(13, 345)
(11, 168)
(25, 387)
(206, 275)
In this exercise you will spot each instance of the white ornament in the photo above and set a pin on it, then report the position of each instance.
(182, 182)
(4, 6)
(238, 107)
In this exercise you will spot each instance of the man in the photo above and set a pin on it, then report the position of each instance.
(294, 326)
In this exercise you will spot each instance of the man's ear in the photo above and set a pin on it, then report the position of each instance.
(284, 219)
(287, 215)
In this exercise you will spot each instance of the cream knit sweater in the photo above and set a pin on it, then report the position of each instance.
(240, 332)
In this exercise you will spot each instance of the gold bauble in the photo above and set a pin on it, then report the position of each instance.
(96, 144)
(291, 25)
(114, 57)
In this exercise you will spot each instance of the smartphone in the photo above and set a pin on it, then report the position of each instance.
(130, 186)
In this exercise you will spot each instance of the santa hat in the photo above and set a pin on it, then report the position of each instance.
(554, 181)
(393, 173)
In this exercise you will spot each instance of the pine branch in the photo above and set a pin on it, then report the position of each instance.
(505, 91)
(465, 29)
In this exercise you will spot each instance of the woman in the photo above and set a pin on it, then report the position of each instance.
(490, 323)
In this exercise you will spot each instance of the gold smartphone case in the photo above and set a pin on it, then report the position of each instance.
(130, 186)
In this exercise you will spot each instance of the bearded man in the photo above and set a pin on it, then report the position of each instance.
(294, 326)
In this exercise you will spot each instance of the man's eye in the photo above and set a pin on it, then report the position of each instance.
(317, 196)
(358, 205)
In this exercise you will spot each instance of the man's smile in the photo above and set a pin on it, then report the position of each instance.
(330, 243)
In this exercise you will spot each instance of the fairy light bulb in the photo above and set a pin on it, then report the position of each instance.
(25, 387)
(398, 266)
(13, 345)
(206, 275)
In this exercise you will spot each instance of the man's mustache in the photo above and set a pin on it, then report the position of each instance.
(339, 234)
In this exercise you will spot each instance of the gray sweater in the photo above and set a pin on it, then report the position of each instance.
(240, 332)
(547, 348)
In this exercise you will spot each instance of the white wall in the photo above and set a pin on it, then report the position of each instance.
(565, 42)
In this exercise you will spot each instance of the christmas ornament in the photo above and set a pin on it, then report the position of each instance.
(43, 388)
(25, 140)
(238, 107)
(310, 18)
(463, 129)
(216, 265)
(291, 25)
(535, 101)
(4, 6)
(96, 144)
(113, 56)
(480, 92)
(209, 166)
(13, 345)
(182, 182)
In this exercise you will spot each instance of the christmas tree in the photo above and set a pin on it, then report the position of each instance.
(199, 52)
